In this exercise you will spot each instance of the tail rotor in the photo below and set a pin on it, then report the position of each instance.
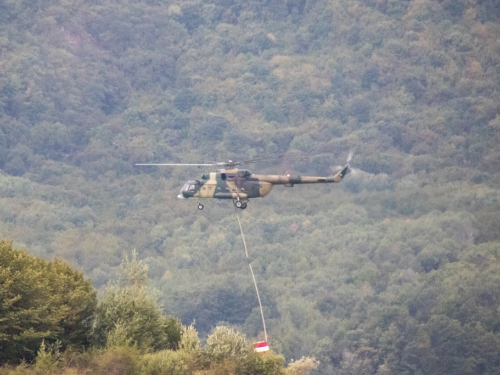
(344, 169)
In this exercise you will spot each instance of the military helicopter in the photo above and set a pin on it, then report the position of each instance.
(240, 185)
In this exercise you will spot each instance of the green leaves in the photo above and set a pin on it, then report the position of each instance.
(128, 313)
(38, 301)
(225, 343)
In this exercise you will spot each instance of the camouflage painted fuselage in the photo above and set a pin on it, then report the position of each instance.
(240, 184)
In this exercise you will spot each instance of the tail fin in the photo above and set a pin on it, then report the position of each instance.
(340, 175)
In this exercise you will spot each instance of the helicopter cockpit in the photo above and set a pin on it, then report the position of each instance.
(188, 187)
(188, 190)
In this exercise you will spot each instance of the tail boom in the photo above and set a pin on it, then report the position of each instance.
(289, 180)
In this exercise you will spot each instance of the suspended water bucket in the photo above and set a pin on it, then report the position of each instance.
(261, 347)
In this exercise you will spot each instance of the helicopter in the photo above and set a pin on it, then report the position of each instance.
(230, 182)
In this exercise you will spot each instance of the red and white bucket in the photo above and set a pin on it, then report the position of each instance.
(261, 347)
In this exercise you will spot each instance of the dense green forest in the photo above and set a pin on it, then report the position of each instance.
(394, 271)
(51, 324)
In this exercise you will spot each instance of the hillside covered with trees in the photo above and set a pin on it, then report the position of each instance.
(394, 271)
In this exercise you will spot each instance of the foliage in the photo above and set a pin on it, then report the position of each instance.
(190, 343)
(167, 362)
(48, 357)
(41, 301)
(117, 360)
(127, 359)
(228, 351)
(302, 366)
(129, 314)
(225, 343)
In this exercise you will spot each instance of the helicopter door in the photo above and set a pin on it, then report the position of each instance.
(207, 190)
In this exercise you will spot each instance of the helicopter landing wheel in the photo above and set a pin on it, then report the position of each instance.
(200, 206)
(243, 206)
(238, 204)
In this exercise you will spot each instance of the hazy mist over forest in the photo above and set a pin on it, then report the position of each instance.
(394, 271)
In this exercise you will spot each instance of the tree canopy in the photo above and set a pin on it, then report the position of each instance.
(41, 301)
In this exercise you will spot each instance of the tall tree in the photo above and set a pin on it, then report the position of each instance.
(40, 300)
(129, 312)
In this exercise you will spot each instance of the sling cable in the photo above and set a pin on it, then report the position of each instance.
(261, 346)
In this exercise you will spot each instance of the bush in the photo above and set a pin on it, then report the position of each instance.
(117, 361)
(167, 362)
(225, 343)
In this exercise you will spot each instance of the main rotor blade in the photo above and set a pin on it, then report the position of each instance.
(190, 165)
(231, 163)
(279, 157)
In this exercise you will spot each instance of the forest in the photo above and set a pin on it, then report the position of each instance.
(394, 271)
(125, 333)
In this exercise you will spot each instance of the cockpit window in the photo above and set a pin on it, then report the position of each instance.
(189, 187)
